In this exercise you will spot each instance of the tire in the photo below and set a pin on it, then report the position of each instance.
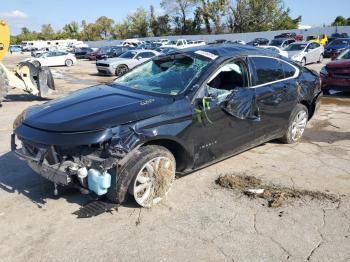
(68, 62)
(137, 179)
(4, 85)
(121, 70)
(303, 61)
(320, 59)
(297, 124)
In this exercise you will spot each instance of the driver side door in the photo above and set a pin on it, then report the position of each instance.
(218, 131)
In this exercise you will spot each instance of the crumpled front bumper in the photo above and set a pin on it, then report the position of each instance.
(50, 172)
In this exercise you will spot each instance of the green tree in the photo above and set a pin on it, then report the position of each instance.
(179, 8)
(71, 30)
(340, 20)
(139, 23)
(153, 22)
(261, 15)
(123, 30)
(105, 26)
(47, 32)
(90, 32)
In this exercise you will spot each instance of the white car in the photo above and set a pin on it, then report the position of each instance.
(275, 49)
(54, 58)
(305, 52)
(183, 43)
(122, 64)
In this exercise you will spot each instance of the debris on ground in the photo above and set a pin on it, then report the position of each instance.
(275, 195)
(95, 208)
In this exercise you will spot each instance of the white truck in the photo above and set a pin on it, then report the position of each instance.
(183, 43)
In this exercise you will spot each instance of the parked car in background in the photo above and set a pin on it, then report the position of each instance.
(336, 36)
(112, 51)
(337, 46)
(166, 50)
(336, 74)
(241, 42)
(258, 41)
(275, 49)
(321, 39)
(305, 52)
(36, 53)
(281, 42)
(91, 55)
(82, 51)
(182, 43)
(149, 46)
(174, 113)
(162, 41)
(290, 35)
(15, 48)
(55, 58)
(122, 64)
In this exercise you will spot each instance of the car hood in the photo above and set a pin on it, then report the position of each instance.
(95, 108)
(339, 64)
(114, 60)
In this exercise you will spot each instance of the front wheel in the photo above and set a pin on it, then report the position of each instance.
(297, 124)
(303, 61)
(68, 62)
(121, 70)
(148, 175)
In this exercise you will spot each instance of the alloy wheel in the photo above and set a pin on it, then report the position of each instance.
(298, 125)
(153, 181)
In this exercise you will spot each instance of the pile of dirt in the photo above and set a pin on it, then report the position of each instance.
(164, 178)
(274, 195)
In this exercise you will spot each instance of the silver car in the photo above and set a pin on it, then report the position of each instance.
(305, 52)
(126, 61)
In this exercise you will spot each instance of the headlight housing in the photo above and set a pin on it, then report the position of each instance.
(114, 66)
(19, 119)
(297, 56)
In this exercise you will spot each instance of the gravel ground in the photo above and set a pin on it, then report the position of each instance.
(199, 220)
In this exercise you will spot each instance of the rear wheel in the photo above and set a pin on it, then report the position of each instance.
(69, 62)
(121, 70)
(297, 124)
(148, 176)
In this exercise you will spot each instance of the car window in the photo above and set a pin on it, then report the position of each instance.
(266, 70)
(229, 77)
(145, 55)
(344, 55)
(296, 47)
(288, 69)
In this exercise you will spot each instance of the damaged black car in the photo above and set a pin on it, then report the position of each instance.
(175, 113)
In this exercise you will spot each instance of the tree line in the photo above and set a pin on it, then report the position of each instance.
(181, 17)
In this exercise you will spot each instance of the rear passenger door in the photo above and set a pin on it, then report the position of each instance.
(274, 82)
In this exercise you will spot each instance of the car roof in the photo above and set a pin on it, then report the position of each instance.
(229, 50)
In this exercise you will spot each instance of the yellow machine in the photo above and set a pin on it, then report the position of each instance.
(35, 80)
(321, 39)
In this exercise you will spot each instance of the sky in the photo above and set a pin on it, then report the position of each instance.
(34, 13)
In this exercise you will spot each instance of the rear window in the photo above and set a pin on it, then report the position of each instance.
(266, 70)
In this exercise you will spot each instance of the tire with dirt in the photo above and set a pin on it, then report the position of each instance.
(4, 85)
(147, 175)
(68, 62)
(121, 70)
(297, 124)
(303, 61)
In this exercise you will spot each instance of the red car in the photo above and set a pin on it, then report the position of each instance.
(91, 55)
(336, 74)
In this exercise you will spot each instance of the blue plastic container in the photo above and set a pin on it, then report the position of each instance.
(98, 182)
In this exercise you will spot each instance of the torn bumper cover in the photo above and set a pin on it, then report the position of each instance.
(62, 163)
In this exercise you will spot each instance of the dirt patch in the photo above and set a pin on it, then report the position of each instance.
(326, 100)
(164, 178)
(275, 195)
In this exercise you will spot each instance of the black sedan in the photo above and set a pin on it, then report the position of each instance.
(176, 112)
(258, 41)
(111, 51)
